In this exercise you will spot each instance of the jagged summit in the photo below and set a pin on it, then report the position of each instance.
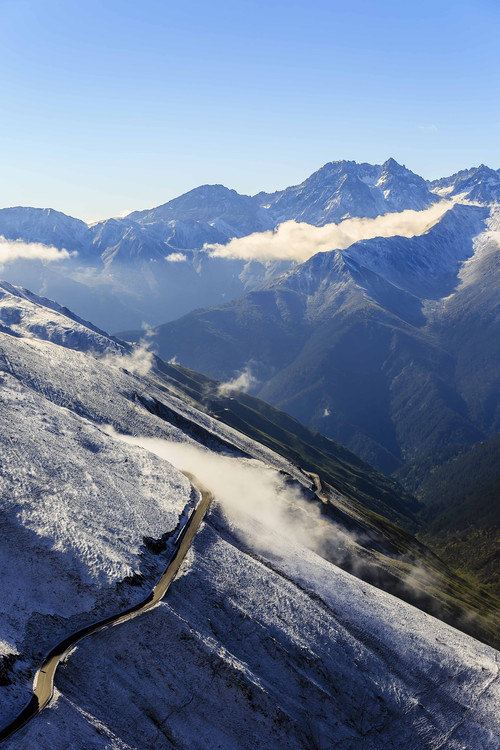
(480, 184)
(342, 189)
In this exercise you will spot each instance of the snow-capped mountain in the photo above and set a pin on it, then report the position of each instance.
(342, 189)
(275, 646)
(402, 188)
(151, 267)
(46, 226)
(214, 205)
(479, 184)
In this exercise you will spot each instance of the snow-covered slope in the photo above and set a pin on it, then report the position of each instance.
(261, 641)
(23, 313)
(60, 381)
(275, 651)
(425, 266)
(216, 206)
(44, 225)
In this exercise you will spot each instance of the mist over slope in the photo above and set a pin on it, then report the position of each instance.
(271, 634)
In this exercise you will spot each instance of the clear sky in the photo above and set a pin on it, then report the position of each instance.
(117, 105)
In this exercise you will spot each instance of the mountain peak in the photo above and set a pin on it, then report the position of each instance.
(391, 165)
(481, 184)
(483, 169)
(210, 189)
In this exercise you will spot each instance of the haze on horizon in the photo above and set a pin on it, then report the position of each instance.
(114, 107)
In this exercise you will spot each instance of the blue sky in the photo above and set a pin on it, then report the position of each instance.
(112, 106)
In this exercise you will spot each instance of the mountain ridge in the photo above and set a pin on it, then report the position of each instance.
(152, 265)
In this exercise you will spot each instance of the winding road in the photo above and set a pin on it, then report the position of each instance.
(43, 684)
(318, 487)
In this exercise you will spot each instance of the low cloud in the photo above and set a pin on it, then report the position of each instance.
(11, 250)
(139, 360)
(176, 258)
(259, 503)
(298, 241)
(266, 510)
(239, 384)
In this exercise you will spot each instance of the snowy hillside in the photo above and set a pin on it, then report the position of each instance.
(276, 650)
(58, 466)
(260, 643)
(44, 225)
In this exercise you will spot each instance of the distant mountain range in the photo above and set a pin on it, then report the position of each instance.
(121, 277)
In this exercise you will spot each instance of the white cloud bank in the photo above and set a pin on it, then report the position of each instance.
(11, 250)
(298, 241)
